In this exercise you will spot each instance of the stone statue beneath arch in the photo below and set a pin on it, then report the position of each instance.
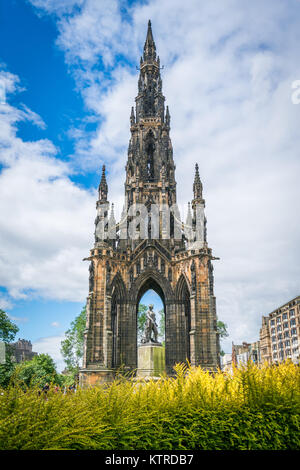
(150, 327)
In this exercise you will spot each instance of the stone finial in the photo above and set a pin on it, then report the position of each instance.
(197, 186)
(103, 188)
(149, 47)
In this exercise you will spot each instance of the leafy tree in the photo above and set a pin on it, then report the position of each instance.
(39, 371)
(222, 330)
(141, 320)
(8, 331)
(72, 345)
(161, 325)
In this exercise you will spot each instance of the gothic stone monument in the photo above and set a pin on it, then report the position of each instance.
(149, 248)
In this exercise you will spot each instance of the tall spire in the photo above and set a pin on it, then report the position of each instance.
(150, 100)
(149, 47)
(103, 188)
(150, 154)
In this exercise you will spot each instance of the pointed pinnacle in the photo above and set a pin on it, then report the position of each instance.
(132, 116)
(149, 32)
(197, 186)
(189, 215)
(112, 215)
(149, 47)
(103, 176)
(103, 188)
(197, 177)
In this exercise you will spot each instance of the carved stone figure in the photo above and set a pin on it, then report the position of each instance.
(150, 327)
(108, 273)
(193, 275)
(91, 277)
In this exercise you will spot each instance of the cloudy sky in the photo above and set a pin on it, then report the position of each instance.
(68, 80)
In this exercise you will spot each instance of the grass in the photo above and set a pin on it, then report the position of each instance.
(252, 408)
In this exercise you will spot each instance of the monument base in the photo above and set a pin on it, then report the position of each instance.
(151, 360)
(92, 377)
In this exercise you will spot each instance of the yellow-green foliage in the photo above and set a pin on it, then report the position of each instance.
(252, 408)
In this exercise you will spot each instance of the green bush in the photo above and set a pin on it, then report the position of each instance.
(252, 408)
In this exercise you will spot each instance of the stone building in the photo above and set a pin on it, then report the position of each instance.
(280, 333)
(245, 352)
(22, 350)
(149, 248)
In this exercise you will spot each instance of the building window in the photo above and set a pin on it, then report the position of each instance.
(284, 316)
(287, 342)
(286, 334)
(278, 320)
(274, 347)
(280, 345)
(279, 328)
(273, 339)
(273, 331)
(279, 336)
(275, 355)
(293, 331)
(292, 313)
(272, 322)
(285, 325)
(293, 322)
(295, 341)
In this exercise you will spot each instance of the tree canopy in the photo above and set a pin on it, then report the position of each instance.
(39, 371)
(223, 333)
(72, 345)
(8, 329)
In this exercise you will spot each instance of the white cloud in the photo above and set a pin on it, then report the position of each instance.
(55, 324)
(227, 79)
(5, 303)
(46, 221)
(50, 345)
(18, 319)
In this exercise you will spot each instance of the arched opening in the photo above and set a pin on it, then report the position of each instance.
(151, 303)
(150, 149)
(184, 304)
(118, 298)
(114, 329)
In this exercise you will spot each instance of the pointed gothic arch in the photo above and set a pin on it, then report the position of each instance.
(183, 298)
(175, 349)
(148, 277)
(116, 296)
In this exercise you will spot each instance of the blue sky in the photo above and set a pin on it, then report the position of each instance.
(68, 71)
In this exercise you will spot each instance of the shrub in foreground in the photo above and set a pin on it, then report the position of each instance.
(252, 408)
